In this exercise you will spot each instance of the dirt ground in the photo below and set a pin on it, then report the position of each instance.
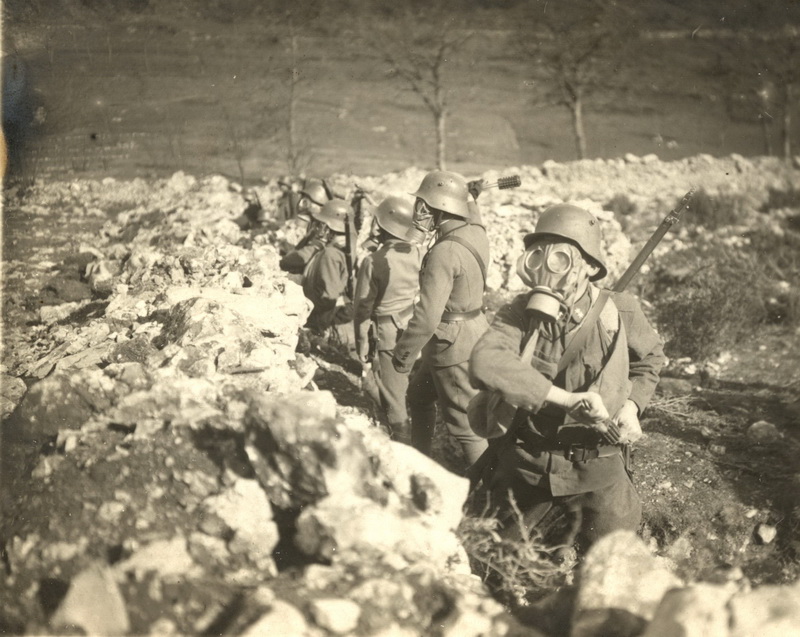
(712, 493)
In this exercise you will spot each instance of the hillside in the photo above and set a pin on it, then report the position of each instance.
(149, 92)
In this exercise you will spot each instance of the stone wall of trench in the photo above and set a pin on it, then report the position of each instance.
(193, 329)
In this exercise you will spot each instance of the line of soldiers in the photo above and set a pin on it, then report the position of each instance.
(531, 397)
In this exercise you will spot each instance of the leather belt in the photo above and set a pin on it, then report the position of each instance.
(573, 453)
(455, 317)
(397, 316)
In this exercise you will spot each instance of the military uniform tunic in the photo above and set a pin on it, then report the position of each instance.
(324, 283)
(388, 283)
(451, 281)
(618, 361)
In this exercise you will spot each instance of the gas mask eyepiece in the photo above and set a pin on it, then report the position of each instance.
(558, 275)
(423, 216)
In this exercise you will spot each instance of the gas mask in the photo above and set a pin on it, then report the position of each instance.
(425, 221)
(318, 230)
(373, 241)
(306, 206)
(558, 274)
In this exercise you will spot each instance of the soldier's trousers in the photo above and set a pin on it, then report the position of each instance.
(450, 387)
(388, 388)
(578, 519)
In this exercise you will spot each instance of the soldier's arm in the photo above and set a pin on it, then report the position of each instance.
(646, 350)
(364, 301)
(333, 275)
(295, 262)
(436, 284)
(495, 363)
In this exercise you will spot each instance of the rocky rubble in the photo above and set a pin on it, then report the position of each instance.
(233, 497)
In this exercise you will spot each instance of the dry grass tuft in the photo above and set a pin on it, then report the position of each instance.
(518, 567)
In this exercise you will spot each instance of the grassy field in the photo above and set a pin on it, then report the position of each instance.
(146, 96)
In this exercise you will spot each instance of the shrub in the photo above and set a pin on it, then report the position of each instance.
(621, 206)
(779, 199)
(713, 302)
(717, 212)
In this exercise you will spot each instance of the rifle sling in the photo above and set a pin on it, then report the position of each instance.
(471, 248)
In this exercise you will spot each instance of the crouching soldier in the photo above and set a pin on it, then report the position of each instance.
(388, 283)
(326, 276)
(448, 319)
(312, 198)
(560, 361)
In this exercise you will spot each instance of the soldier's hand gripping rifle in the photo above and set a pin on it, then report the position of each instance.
(509, 416)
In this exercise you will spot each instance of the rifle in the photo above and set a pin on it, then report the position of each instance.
(350, 239)
(611, 435)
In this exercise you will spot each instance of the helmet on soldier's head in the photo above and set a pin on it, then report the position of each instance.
(446, 191)
(395, 215)
(333, 214)
(314, 189)
(577, 226)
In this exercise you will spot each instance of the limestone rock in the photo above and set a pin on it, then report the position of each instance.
(696, 611)
(339, 616)
(300, 454)
(768, 611)
(169, 559)
(93, 603)
(246, 511)
(281, 619)
(12, 390)
(622, 584)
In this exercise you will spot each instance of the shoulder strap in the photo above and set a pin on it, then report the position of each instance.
(471, 248)
(582, 333)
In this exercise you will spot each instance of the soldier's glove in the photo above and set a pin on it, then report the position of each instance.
(627, 419)
(475, 188)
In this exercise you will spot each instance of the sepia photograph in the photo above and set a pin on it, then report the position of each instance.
(400, 318)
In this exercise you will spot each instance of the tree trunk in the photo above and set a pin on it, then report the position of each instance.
(292, 141)
(787, 121)
(577, 127)
(440, 118)
(763, 118)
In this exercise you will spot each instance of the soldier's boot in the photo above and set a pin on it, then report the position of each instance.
(401, 431)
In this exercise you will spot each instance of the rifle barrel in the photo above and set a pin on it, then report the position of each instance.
(652, 242)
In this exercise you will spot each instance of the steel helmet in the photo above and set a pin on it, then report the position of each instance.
(314, 189)
(333, 214)
(395, 215)
(445, 191)
(576, 225)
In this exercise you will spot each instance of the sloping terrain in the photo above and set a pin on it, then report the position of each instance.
(162, 460)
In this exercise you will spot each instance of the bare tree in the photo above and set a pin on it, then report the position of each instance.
(762, 59)
(417, 40)
(576, 48)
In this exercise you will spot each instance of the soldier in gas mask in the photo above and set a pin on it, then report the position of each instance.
(388, 283)
(448, 319)
(567, 479)
(313, 197)
(326, 275)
